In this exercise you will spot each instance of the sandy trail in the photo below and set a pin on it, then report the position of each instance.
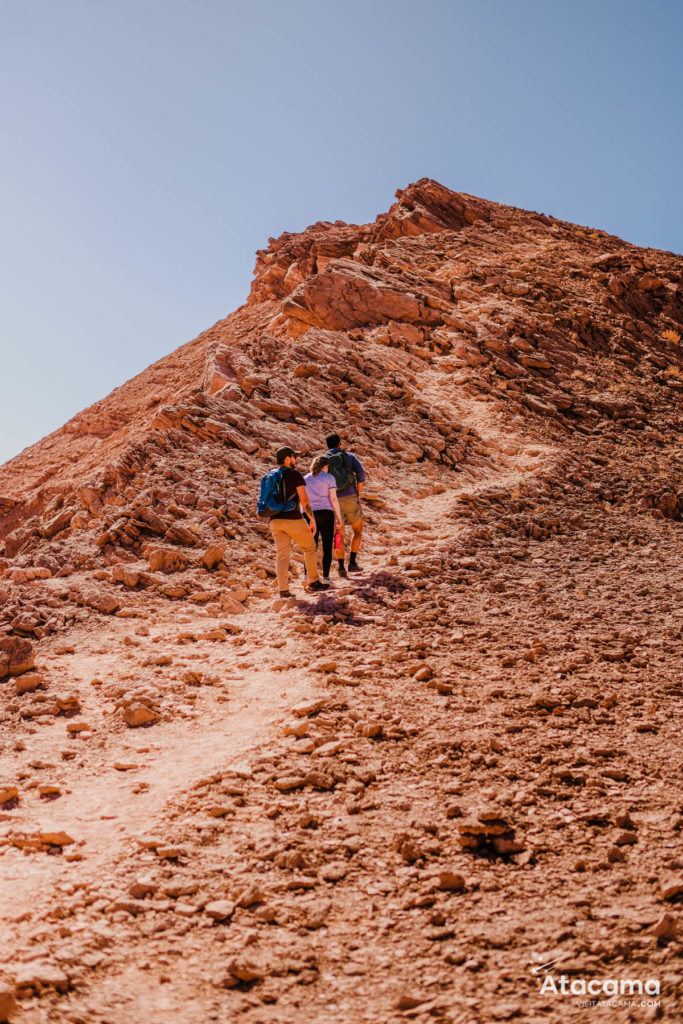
(106, 810)
(166, 968)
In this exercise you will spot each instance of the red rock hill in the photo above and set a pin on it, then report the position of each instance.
(550, 319)
(391, 801)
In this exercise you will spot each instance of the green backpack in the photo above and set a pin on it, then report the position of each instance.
(340, 469)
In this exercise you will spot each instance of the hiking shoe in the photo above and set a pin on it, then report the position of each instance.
(343, 573)
(354, 567)
(285, 593)
(318, 585)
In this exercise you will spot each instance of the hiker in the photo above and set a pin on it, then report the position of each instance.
(321, 488)
(282, 490)
(350, 477)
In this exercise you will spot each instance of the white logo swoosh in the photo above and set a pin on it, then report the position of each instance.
(546, 967)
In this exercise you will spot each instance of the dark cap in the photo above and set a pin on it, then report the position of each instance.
(283, 453)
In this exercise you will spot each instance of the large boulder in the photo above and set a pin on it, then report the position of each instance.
(16, 656)
(167, 560)
(347, 295)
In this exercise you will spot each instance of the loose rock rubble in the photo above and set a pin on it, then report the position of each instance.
(400, 799)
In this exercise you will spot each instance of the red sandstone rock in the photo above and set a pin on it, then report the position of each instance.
(16, 656)
(139, 714)
(8, 1003)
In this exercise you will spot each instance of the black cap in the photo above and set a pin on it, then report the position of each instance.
(283, 453)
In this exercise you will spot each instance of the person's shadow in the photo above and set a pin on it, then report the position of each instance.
(371, 590)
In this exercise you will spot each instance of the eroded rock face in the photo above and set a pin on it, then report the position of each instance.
(346, 295)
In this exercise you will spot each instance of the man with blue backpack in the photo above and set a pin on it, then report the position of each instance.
(282, 491)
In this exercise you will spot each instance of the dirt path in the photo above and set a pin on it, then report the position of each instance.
(341, 856)
(106, 810)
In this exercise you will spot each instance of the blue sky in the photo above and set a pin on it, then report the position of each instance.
(149, 147)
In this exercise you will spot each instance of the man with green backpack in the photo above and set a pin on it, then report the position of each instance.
(350, 477)
(282, 490)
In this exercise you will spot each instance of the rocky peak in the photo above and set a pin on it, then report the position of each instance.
(427, 207)
(422, 208)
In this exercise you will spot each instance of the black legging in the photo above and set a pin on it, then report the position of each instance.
(324, 520)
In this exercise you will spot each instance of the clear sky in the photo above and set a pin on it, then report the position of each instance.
(149, 147)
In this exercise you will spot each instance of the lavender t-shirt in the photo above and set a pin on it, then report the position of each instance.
(318, 490)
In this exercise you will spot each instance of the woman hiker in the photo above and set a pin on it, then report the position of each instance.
(321, 488)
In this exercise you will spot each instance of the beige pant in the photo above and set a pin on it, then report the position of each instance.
(285, 531)
(350, 509)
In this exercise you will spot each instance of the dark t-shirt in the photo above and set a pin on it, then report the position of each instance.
(291, 479)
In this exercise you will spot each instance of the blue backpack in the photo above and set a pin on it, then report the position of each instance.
(271, 500)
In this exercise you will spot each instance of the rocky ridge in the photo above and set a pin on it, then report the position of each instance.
(395, 800)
